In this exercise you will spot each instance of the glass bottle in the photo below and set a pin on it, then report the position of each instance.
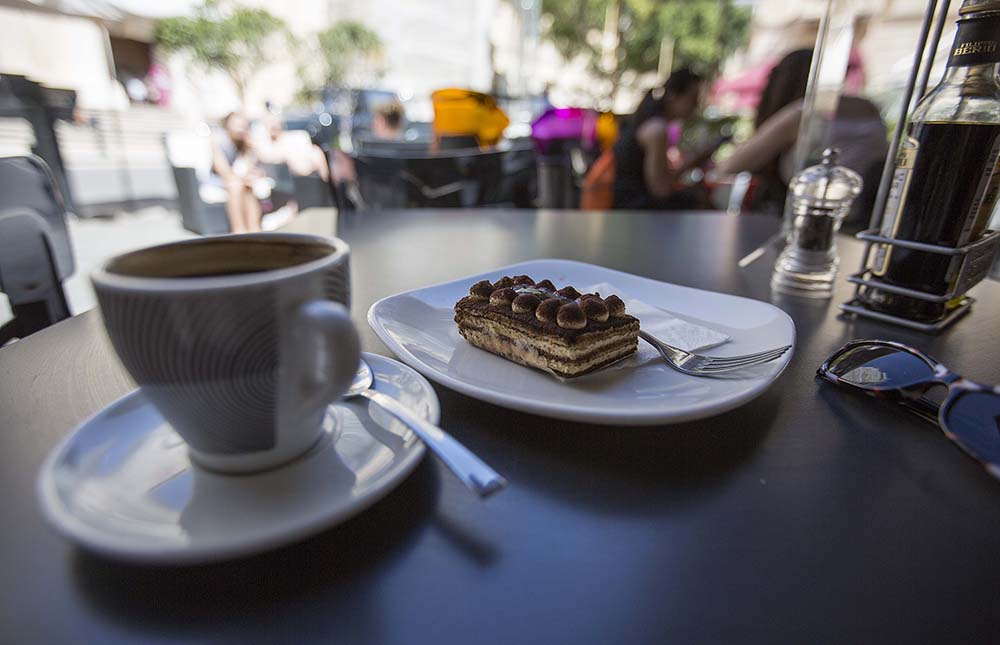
(946, 180)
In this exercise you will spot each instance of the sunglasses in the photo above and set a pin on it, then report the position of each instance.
(969, 415)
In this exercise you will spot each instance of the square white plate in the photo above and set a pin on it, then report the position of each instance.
(419, 327)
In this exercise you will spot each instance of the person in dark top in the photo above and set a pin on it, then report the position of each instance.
(644, 179)
(786, 84)
(857, 131)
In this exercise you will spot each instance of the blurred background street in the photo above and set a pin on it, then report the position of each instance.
(134, 94)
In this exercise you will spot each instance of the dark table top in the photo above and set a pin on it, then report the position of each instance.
(809, 515)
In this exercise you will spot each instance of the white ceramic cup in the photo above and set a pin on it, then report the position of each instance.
(241, 341)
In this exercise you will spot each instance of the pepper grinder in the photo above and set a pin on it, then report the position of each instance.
(821, 196)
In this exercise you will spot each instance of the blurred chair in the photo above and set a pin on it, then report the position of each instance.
(458, 142)
(568, 143)
(295, 176)
(455, 179)
(385, 181)
(283, 189)
(311, 191)
(35, 252)
(365, 145)
(518, 185)
(190, 158)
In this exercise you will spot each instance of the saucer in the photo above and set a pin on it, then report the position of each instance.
(419, 327)
(122, 485)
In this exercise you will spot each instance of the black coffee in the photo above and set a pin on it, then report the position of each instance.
(218, 257)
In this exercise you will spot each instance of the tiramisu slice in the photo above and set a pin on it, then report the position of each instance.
(560, 331)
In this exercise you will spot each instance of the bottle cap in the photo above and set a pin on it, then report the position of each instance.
(826, 185)
(977, 6)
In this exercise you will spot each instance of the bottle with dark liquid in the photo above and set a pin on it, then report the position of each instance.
(947, 178)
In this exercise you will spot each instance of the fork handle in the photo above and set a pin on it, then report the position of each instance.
(469, 468)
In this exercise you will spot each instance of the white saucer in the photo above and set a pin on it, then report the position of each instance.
(122, 485)
(419, 327)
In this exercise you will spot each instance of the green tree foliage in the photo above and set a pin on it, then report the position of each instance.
(347, 54)
(346, 46)
(704, 33)
(238, 42)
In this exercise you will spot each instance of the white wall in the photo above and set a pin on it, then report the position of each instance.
(780, 26)
(428, 44)
(60, 51)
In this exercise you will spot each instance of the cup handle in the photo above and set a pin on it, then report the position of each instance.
(329, 372)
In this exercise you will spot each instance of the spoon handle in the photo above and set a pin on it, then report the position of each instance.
(469, 468)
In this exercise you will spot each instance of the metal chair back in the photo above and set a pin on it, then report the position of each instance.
(35, 251)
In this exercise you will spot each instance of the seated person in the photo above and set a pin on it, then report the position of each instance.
(387, 123)
(857, 131)
(646, 170)
(236, 177)
(294, 149)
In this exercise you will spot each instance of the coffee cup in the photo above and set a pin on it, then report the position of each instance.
(241, 341)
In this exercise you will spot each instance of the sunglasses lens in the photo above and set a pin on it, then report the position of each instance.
(974, 418)
(880, 366)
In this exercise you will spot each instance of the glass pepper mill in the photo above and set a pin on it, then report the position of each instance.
(821, 196)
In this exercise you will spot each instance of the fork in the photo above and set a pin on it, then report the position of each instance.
(701, 365)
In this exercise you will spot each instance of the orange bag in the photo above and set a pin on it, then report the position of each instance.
(597, 193)
(459, 112)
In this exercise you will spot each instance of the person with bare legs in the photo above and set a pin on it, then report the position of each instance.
(234, 164)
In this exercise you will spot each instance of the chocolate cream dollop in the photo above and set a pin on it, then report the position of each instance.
(569, 293)
(503, 297)
(482, 290)
(566, 307)
(616, 306)
(525, 303)
(545, 285)
(571, 316)
(595, 309)
(547, 310)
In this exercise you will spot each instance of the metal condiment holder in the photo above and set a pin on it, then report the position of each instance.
(976, 260)
(976, 257)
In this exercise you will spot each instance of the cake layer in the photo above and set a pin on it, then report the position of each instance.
(527, 355)
(552, 347)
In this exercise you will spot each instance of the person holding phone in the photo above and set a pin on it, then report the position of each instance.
(645, 178)
(857, 131)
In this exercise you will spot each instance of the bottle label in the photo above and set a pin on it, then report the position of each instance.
(976, 42)
(906, 159)
(986, 196)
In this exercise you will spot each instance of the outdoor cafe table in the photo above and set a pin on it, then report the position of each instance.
(807, 516)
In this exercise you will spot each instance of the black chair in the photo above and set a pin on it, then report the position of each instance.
(312, 192)
(457, 179)
(187, 153)
(35, 252)
(458, 142)
(308, 191)
(197, 216)
(368, 146)
(284, 185)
